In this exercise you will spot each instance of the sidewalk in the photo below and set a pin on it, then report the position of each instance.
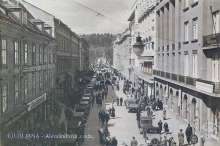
(92, 126)
(124, 125)
(176, 124)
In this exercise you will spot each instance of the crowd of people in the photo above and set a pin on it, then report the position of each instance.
(104, 81)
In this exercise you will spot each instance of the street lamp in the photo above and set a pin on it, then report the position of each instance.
(138, 47)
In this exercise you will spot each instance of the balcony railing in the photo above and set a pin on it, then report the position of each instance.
(174, 77)
(190, 81)
(167, 75)
(217, 87)
(187, 80)
(181, 78)
(211, 40)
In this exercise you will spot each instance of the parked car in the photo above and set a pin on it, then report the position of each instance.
(131, 105)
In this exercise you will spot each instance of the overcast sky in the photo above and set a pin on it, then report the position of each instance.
(84, 21)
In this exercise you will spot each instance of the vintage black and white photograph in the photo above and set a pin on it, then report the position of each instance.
(109, 72)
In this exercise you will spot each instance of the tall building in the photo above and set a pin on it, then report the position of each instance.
(143, 24)
(26, 72)
(187, 61)
(84, 55)
(66, 56)
(121, 53)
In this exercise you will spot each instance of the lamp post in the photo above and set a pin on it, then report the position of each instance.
(138, 47)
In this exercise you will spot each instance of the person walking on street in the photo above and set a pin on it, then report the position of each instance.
(181, 137)
(164, 114)
(188, 133)
(114, 142)
(117, 101)
(166, 127)
(134, 142)
(160, 125)
(113, 112)
(121, 101)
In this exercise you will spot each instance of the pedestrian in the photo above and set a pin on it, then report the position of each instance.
(117, 101)
(103, 95)
(118, 86)
(121, 101)
(181, 137)
(164, 114)
(113, 112)
(107, 118)
(134, 142)
(166, 127)
(103, 118)
(188, 133)
(114, 142)
(160, 125)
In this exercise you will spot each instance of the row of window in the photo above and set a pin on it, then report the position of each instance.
(30, 54)
(29, 87)
(193, 66)
(215, 28)
(176, 60)
(194, 31)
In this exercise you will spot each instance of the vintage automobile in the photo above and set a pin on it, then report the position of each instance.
(131, 105)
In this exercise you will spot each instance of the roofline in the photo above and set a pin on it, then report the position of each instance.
(131, 17)
(37, 8)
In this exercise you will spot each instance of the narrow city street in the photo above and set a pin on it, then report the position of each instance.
(124, 125)
(91, 130)
(110, 73)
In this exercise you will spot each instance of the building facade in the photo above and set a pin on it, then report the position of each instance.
(187, 61)
(84, 55)
(27, 71)
(143, 24)
(122, 54)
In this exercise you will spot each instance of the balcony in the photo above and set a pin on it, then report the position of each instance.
(207, 86)
(174, 77)
(211, 40)
(181, 78)
(167, 75)
(190, 81)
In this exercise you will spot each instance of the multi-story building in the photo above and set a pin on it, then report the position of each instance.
(67, 58)
(187, 61)
(84, 55)
(67, 52)
(39, 56)
(143, 24)
(26, 72)
(121, 53)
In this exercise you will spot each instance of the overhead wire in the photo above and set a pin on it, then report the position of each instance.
(98, 14)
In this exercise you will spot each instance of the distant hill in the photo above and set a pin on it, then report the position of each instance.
(100, 45)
